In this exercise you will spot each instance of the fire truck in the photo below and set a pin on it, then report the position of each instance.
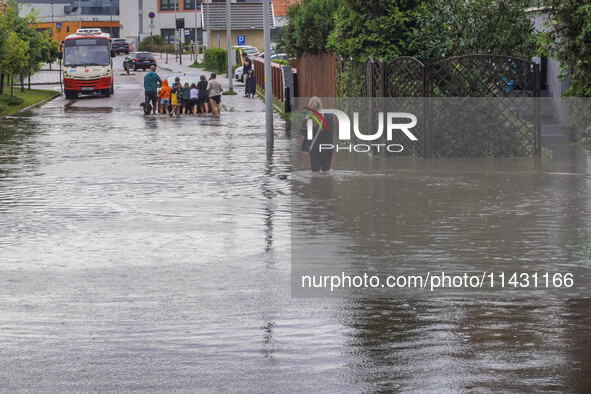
(87, 60)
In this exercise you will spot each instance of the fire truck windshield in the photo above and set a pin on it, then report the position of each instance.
(86, 52)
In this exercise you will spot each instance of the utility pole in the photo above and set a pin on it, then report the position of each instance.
(111, 14)
(79, 15)
(208, 31)
(196, 44)
(268, 82)
(229, 42)
(176, 32)
(51, 18)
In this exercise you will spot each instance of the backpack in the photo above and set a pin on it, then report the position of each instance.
(174, 98)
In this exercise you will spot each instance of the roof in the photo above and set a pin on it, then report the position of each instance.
(245, 16)
(280, 6)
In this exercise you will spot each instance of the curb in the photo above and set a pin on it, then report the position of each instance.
(40, 103)
(275, 107)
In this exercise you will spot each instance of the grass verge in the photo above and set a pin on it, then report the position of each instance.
(29, 97)
(278, 105)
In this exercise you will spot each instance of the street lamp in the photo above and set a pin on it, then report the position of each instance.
(268, 83)
(228, 41)
(111, 13)
(196, 46)
(208, 36)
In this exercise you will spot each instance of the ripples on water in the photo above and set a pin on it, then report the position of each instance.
(152, 254)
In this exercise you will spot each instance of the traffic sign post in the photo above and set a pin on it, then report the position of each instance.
(241, 40)
(151, 15)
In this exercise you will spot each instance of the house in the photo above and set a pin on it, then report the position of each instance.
(141, 18)
(246, 20)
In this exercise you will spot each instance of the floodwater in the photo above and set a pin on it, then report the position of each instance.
(153, 254)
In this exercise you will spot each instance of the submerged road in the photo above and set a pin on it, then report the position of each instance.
(153, 254)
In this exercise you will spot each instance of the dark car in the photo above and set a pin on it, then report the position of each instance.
(136, 60)
(119, 45)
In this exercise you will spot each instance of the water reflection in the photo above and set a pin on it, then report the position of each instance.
(167, 242)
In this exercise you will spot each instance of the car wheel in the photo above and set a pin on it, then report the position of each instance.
(71, 94)
(107, 92)
(112, 89)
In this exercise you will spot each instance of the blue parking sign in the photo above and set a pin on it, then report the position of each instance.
(58, 25)
(241, 40)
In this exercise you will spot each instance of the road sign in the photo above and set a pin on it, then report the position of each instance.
(187, 33)
(58, 25)
(241, 40)
(151, 15)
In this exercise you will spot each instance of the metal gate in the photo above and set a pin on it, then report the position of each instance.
(502, 87)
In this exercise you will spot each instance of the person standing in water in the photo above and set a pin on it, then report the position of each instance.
(151, 80)
(164, 96)
(250, 89)
(320, 159)
(214, 91)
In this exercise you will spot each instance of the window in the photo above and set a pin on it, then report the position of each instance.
(190, 4)
(167, 5)
(168, 35)
(192, 36)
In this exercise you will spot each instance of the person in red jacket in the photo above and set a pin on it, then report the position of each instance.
(164, 97)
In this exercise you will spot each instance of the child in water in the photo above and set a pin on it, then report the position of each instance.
(250, 89)
(176, 96)
(186, 98)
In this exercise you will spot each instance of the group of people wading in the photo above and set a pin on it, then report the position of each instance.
(175, 98)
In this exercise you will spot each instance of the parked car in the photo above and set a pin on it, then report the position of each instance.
(137, 60)
(280, 56)
(251, 51)
(119, 45)
(239, 72)
(272, 52)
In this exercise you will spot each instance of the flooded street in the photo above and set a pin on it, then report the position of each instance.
(154, 254)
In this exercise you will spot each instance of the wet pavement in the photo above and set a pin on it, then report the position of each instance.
(153, 254)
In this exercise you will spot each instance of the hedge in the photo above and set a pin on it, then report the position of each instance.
(216, 60)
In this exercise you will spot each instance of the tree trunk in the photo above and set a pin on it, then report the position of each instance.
(22, 78)
(29, 80)
(12, 85)
(1, 83)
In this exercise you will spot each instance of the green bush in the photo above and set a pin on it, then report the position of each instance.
(3, 108)
(308, 28)
(216, 60)
(146, 44)
(11, 100)
(283, 62)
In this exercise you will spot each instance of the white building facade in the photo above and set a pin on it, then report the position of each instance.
(137, 24)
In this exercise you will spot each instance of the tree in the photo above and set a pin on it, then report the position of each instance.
(309, 25)
(42, 49)
(15, 56)
(378, 28)
(38, 47)
(448, 28)
(569, 41)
